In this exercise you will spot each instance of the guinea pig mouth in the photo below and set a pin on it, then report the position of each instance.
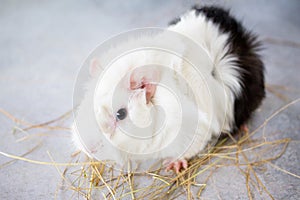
(109, 127)
(113, 126)
(106, 122)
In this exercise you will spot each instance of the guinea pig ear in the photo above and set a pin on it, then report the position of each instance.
(95, 67)
(146, 79)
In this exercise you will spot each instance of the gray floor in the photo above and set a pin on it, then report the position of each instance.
(43, 43)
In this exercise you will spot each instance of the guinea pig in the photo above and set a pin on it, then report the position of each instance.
(127, 98)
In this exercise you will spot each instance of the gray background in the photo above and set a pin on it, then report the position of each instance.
(43, 43)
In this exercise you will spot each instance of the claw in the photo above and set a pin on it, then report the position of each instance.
(177, 165)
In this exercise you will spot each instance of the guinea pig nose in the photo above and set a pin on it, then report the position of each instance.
(121, 114)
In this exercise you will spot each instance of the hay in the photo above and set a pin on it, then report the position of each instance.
(89, 178)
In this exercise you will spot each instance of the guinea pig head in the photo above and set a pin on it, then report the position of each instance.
(128, 101)
(143, 83)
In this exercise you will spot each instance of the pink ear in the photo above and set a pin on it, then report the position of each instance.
(94, 67)
(144, 79)
(150, 91)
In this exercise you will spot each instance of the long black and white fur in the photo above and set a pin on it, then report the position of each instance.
(235, 68)
(245, 47)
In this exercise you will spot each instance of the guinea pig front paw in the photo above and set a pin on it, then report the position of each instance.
(177, 165)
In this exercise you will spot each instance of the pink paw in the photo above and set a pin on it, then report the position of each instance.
(244, 128)
(177, 165)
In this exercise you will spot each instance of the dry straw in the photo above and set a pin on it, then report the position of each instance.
(91, 179)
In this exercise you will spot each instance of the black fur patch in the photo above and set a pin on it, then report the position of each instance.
(174, 21)
(245, 46)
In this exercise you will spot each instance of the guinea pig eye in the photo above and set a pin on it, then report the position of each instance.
(122, 114)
